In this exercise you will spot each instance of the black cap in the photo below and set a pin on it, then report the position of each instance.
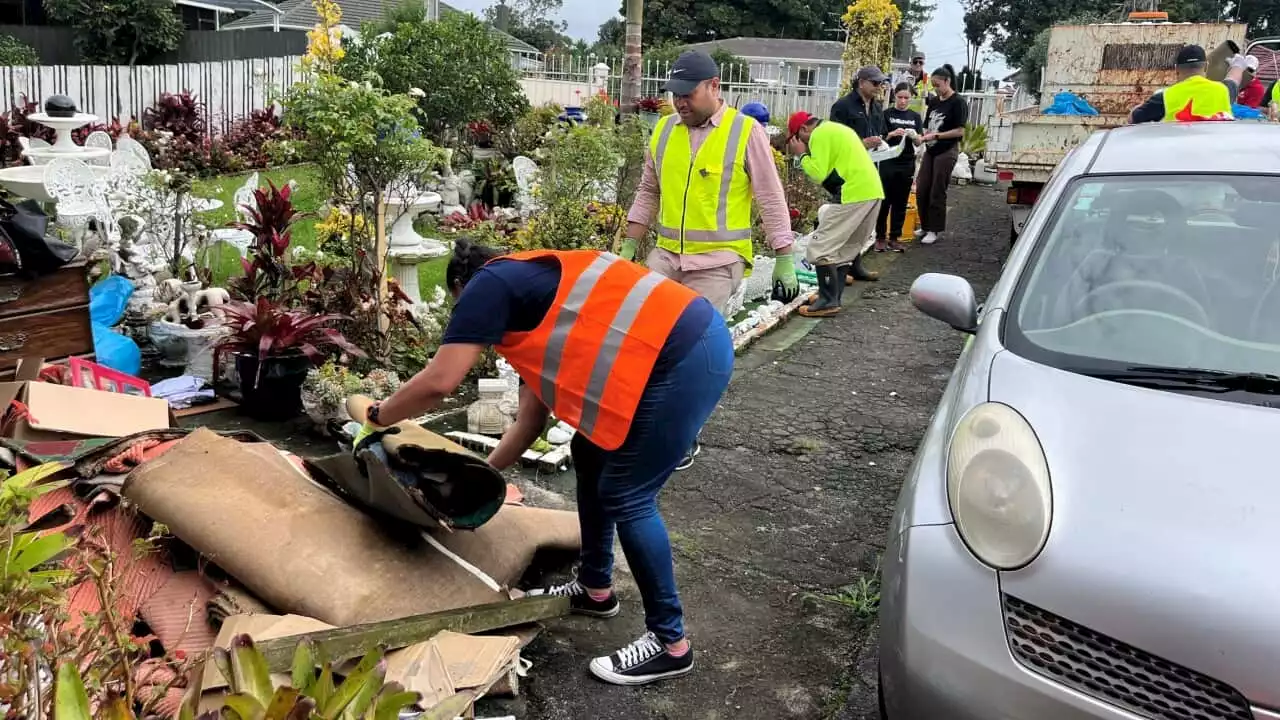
(1190, 55)
(689, 70)
(872, 73)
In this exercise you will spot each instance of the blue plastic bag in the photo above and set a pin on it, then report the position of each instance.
(1069, 103)
(1244, 112)
(108, 299)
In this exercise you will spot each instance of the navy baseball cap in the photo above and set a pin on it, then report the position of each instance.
(690, 69)
(1190, 55)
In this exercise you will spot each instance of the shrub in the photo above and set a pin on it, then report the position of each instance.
(526, 135)
(181, 114)
(15, 52)
(464, 70)
(15, 124)
(250, 138)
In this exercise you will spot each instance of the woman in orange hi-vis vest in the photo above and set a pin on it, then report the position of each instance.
(636, 363)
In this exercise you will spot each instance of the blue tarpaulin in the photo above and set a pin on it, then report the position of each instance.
(1244, 112)
(108, 299)
(1069, 103)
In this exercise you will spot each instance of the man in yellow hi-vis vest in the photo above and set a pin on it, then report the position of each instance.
(704, 166)
(1194, 96)
(921, 88)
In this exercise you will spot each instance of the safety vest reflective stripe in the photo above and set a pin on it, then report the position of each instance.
(591, 356)
(732, 147)
(704, 236)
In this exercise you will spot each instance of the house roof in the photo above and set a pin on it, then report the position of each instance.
(231, 6)
(301, 15)
(779, 48)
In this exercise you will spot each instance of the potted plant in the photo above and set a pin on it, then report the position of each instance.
(325, 392)
(650, 109)
(267, 272)
(274, 347)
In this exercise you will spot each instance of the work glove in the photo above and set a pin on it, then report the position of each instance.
(785, 285)
(628, 249)
(1239, 62)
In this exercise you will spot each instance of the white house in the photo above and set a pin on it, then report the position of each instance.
(795, 63)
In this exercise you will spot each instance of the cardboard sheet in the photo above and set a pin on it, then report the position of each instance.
(62, 411)
(476, 660)
(420, 668)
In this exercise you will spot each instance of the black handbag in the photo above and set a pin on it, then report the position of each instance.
(24, 228)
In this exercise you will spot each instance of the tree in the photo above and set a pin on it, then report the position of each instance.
(120, 32)
(631, 65)
(980, 17)
(531, 21)
(464, 69)
(691, 21)
(613, 32)
(872, 26)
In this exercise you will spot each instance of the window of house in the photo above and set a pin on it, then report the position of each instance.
(807, 78)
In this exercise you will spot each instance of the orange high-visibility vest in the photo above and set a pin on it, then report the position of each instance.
(591, 357)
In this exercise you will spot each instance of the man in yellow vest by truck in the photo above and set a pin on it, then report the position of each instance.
(1194, 96)
(704, 166)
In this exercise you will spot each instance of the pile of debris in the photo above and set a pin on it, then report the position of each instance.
(411, 546)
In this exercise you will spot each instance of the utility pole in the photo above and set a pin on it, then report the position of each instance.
(631, 64)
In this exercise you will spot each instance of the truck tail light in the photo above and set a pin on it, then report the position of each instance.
(1005, 176)
(1022, 195)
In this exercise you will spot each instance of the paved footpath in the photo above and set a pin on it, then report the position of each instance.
(790, 498)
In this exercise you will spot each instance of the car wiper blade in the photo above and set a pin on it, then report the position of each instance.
(1191, 378)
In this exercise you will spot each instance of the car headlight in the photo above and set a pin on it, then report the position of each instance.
(998, 487)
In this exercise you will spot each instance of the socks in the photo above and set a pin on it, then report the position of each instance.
(599, 595)
(680, 649)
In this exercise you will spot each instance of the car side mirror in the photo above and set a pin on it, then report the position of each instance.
(948, 298)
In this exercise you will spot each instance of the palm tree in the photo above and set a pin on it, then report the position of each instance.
(631, 65)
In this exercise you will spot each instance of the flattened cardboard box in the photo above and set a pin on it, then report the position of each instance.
(62, 412)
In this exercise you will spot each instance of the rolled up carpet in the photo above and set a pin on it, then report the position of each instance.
(415, 475)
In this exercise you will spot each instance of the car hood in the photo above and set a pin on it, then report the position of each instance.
(1166, 520)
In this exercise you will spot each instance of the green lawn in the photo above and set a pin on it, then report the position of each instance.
(308, 198)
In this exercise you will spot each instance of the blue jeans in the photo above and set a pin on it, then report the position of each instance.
(618, 489)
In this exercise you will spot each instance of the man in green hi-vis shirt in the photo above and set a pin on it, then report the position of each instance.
(833, 155)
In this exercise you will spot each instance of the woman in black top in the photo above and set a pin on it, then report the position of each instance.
(904, 126)
(944, 126)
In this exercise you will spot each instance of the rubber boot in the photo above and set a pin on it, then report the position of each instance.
(859, 273)
(830, 278)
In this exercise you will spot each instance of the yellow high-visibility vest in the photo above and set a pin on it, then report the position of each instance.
(705, 202)
(923, 86)
(1207, 98)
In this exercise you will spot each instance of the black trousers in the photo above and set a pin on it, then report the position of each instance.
(896, 179)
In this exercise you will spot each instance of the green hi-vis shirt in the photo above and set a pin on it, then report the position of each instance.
(837, 149)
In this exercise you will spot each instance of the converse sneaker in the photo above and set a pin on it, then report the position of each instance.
(929, 239)
(642, 662)
(687, 462)
(580, 603)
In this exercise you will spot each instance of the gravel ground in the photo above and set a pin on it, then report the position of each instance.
(787, 508)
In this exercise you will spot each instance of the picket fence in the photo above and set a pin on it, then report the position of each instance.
(229, 90)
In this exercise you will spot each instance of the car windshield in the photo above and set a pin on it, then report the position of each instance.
(1156, 272)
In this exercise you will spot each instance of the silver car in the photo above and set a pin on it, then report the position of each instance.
(1091, 527)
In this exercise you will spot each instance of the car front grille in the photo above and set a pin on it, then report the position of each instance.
(1109, 670)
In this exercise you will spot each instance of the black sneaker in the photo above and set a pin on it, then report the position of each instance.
(642, 662)
(687, 462)
(580, 603)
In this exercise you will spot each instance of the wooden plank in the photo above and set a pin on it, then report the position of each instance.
(351, 642)
(555, 460)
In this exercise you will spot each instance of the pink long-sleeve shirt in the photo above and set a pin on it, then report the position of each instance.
(766, 186)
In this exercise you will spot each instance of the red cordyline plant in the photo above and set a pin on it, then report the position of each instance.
(266, 270)
(649, 104)
(267, 329)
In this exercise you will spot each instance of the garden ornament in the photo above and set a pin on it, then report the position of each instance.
(60, 106)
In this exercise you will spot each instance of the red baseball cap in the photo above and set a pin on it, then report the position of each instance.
(797, 121)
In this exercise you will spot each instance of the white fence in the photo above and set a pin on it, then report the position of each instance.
(569, 81)
(229, 89)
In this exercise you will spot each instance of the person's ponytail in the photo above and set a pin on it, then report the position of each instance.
(467, 260)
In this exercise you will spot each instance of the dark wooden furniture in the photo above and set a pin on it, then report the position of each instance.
(46, 317)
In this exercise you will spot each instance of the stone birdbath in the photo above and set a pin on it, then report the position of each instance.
(406, 249)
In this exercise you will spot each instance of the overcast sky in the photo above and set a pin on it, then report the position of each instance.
(942, 39)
